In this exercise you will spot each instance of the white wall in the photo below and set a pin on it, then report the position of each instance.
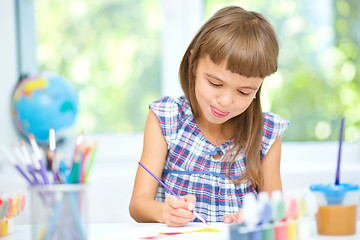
(8, 68)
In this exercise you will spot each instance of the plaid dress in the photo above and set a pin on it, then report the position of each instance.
(190, 167)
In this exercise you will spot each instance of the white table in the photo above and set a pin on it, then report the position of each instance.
(131, 231)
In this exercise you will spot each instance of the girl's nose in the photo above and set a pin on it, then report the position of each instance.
(224, 99)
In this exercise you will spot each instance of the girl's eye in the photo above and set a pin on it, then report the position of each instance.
(214, 84)
(243, 93)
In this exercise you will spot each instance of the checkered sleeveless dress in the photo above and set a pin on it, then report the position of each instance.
(190, 167)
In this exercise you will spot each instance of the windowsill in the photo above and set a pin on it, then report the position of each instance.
(113, 146)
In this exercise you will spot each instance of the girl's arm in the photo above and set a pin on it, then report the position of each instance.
(270, 167)
(143, 207)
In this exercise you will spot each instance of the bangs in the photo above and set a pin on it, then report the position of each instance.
(249, 48)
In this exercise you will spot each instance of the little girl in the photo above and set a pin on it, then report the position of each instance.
(213, 145)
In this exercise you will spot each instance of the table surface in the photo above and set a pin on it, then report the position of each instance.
(138, 230)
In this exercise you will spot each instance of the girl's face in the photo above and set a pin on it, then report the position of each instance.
(221, 94)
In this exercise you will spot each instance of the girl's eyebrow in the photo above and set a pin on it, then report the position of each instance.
(212, 76)
(215, 77)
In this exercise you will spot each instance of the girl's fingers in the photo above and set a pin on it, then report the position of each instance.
(178, 212)
(184, 213)
(229, 218)
(176, 218)
(186, 202)
(239, 217)
(236, 217)
(189, 198)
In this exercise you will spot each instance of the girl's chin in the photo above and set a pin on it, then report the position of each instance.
(215, 120)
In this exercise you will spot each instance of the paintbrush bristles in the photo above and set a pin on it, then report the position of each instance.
(35, 146)
(52, 140)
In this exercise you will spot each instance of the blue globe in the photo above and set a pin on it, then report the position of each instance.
(43, 102)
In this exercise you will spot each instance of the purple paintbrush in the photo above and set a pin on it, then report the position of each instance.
(337, 179)
(37, 153)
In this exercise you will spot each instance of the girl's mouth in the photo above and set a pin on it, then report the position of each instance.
(218, 113)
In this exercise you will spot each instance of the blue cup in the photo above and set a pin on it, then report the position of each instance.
(337, 208)
(335, 194)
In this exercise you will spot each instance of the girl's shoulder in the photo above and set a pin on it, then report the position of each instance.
(172, 114)
(170, 100)
(170, 106)
(274, 126)
(272, 120)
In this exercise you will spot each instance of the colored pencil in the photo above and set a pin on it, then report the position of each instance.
(90, 162)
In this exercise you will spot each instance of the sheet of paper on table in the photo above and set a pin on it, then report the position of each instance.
(196, 231)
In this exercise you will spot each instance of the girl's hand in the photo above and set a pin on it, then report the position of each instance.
(236, 217)
(178, 213)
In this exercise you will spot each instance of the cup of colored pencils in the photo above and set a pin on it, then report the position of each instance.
(57, 190)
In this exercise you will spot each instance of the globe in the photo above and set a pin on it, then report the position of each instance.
(42, 102)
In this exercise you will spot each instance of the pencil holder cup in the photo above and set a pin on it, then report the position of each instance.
(59, 212)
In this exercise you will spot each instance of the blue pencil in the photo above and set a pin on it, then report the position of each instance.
(172, 192)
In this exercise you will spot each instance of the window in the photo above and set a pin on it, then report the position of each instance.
(114, 52)
(110, 51)
(318, 78)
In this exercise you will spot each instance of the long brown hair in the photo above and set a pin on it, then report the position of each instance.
(246, 41)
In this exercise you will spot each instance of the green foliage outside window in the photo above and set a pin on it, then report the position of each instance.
(318, 79)
(110, 50)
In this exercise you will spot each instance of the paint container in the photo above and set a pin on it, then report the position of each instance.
(337, 208)
(292, 230)
(256, 234)
(239, 232)
(280, 231)
(268, 232)
(4, 228)
(304, 228)
(242, 232)
(308, 208)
